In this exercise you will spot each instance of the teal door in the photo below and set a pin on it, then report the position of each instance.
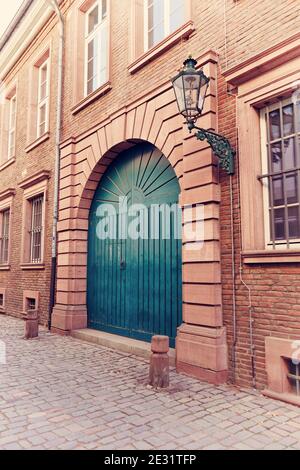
(134, 248)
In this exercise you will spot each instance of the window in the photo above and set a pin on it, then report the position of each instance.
(36, 229)
(162, 17)
(155, 26)
(43, 99)
(96, 36)
(12, 126)
(31, 299)
(31, 303)
(34, 220)
(38, 99)
(8, 125)
(281, 173)
(1, 300)
(4, 236)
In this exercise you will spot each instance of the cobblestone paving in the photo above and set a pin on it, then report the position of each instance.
(61, 393)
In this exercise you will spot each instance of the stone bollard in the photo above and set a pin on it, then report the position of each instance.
(31, 324)
(159, 362)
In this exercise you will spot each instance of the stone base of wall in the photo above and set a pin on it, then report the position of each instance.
(67, 319)
(278, 351)
(202, 353)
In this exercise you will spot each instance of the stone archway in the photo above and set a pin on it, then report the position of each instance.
(201, 342)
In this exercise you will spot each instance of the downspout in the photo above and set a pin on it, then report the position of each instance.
(60, 76)
(233, 281)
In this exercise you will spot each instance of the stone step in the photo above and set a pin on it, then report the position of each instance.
(120, 343)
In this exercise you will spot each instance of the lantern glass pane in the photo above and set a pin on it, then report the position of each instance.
(179, 93)
(202, 94)
(191, 89)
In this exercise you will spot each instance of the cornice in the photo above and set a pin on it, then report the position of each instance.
(266, 60)
(34, 179)
(7, 193)
(37, 15)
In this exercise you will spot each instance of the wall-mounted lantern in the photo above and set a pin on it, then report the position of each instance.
(190, 87)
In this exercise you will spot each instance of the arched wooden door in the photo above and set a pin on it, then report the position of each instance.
(134, 256)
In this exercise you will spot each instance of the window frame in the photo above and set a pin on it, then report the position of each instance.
(32, 140)
(88, 37)
(3, 261)
(166, 22)
(3, 293)
(139, 56)
(31, 294)
(270, 244)
(7, 93)
(6, 203)
(12, 127)
(34, 186)
(43, 101)
(34, 228)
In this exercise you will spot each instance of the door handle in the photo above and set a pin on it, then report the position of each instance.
(122, 264)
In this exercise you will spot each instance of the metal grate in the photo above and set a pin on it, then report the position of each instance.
(283, 149)
(4, 236)
(36, 229)
(294, 376)
(31, 304)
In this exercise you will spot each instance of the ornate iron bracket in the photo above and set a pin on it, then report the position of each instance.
(220, 146)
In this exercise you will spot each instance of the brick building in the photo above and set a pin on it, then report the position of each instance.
(235, 298)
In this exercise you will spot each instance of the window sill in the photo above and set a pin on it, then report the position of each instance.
(182, 32)
(4, 267)
(91, 97)
(2, 310)
(7, 163)
(286, 397)
(37, 142)
(271, 256)
(30, 266)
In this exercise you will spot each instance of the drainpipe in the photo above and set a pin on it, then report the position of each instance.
(60, 76)
(233, 281)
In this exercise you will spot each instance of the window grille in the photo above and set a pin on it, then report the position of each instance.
(282, 124)
(36, 229)
(31, 304)
(294, 376)
(4, 236)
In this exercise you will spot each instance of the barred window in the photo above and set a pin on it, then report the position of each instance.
(36, 229)
(294, 376)
(4, 236)
(31, 304)
(281, 178)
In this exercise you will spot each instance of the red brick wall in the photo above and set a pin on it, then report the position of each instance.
(274, 289)
(27, 164)
(236, 29)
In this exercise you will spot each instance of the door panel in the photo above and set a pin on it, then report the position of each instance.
(134, 284)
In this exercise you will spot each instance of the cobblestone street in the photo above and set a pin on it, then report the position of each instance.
(61, 393)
